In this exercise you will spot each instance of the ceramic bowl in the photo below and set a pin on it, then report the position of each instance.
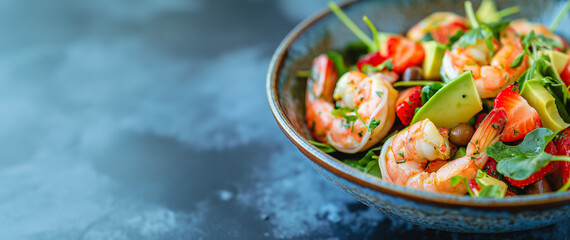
(286, 94)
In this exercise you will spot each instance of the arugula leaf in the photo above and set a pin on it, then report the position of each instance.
(430, 90)
(542, 70)
(368, 163)
(454, 38)
(521, 161)
(518, 61)
(323, 146)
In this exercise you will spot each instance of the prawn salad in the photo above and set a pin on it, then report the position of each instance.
(473, 105)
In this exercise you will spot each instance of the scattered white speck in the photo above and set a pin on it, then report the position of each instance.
(225, 195)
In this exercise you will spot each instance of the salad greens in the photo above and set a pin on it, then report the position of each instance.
(521, 161)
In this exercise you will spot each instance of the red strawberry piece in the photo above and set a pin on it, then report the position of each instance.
(562, 142)
(404, 53)
(532, 178)
(491, 168)
(475, 187)
(408, 100)
(565, 74)
(479, 119)
(521, 117)
(373, 59)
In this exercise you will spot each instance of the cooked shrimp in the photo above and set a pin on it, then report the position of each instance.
(523, 27)
(441, 25)
(371, 101)
(491, 74)
(406, 157)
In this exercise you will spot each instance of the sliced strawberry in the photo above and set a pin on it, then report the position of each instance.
(407, 102)
(475, 187)
(538, 174)
(404, 53)
(491, 169)
(373, 59)
(479, 119)
(521, 117)
(562, 142)
(565, 74)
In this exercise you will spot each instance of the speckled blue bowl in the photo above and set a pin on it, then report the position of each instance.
(286, 94)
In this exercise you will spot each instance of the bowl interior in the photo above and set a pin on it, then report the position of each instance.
(324, 32)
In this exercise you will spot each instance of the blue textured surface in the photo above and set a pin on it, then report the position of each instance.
(145, 119)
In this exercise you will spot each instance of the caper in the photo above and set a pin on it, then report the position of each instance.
(461, 133)
(412, 73)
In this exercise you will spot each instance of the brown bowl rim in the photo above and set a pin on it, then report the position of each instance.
(338, 168)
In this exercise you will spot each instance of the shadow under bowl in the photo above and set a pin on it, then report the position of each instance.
(286, 94)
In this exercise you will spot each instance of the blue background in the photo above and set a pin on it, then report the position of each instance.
(123, 119)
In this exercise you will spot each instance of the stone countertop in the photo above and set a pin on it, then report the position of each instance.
(148, 120)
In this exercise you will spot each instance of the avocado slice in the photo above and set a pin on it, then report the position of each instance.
(541, 100)
(434, 52)
(557, 59)
(456, 102)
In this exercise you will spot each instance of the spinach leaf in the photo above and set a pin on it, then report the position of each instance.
(429, 90)
(521, 161)
(368, 163)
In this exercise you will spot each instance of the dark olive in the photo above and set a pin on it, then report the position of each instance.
(461, 133)
(539, 187)
(412, 73)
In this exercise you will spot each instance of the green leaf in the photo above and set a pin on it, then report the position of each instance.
(426, 38)
(521, 161)
(323, 146)
(518, 60)
(369, 69)
(368, 163)
(373, 124)
(430, 90)
(469, 38)
(491, 191)
(454, 38)
(456, 180)
(338, 62)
